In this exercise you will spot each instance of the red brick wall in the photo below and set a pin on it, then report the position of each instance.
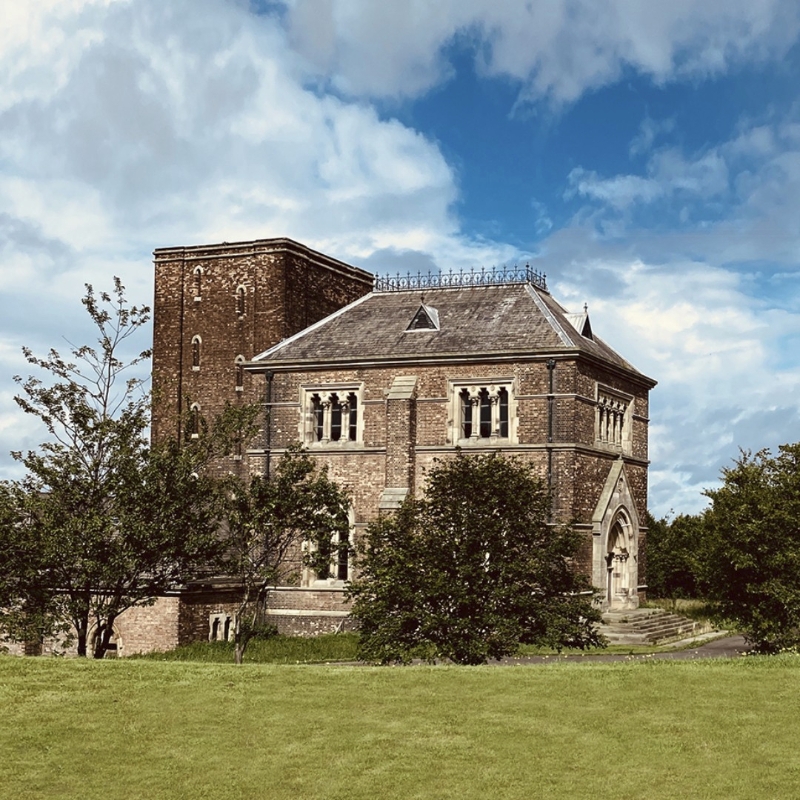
(287, 287)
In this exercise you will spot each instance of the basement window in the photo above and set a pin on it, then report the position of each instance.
(220, 627)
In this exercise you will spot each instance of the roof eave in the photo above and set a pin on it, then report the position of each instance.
(316, 365)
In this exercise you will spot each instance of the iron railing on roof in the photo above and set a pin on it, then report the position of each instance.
(497, 276)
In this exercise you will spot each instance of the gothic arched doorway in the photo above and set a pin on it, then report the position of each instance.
(620, 569)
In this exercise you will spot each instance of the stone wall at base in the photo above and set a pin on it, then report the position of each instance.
(148, 629)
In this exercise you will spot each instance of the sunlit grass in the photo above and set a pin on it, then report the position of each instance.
(145, 729)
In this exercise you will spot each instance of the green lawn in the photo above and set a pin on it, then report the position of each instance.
(337, 647)
(148, 729)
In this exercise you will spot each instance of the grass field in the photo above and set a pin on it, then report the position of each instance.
(147, 729)
(335, 647)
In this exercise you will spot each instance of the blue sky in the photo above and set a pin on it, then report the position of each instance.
(645, 156)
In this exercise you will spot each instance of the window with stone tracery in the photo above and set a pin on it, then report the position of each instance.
(341, 565)
(482, 413)
(332, 416)
(612, 418)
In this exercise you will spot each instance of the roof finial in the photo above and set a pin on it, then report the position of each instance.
(422, 298)
(585, 308)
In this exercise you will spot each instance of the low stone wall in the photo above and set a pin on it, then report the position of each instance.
(198, 615)
(309, 612)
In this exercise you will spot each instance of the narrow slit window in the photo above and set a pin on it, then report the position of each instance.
(240, 301)
(239, 365)
(503, 402)
(486, 414)
(198, 282)
(352, 426)
(466, 414)
(336, 418)
(196, 342)
(194, 421)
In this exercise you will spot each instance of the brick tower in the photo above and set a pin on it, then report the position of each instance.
(216, 306)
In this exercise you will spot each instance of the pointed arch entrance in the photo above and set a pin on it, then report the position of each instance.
(620, 575)
(615, 529)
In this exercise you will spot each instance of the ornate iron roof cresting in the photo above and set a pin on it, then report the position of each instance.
(497, 276)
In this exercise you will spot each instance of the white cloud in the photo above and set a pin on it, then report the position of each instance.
(707, 302)
(555, 48)
(649, 131)
(130, 125)
(126, 126)
(714, 350)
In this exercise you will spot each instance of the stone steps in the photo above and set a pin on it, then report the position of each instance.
(649, 626)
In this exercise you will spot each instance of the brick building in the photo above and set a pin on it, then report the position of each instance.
(480, 361)
(215, 306)
(378, 378)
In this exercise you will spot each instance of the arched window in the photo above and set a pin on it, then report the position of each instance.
(196, 343)
(239, 366)
(340, 565)
(194, 421)
(332, 417)
(352, 423)
(241, 301)
(198, 283)
(483, 412)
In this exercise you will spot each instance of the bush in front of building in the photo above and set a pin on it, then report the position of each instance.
(471, 571)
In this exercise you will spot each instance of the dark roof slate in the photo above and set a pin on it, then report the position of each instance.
(476, 321)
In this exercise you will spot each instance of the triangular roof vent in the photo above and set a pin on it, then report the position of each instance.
(581, 324)
(426, 319)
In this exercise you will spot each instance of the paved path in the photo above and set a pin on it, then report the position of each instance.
(727, 647)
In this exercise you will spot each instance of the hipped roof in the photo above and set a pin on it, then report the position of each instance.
(489, 322)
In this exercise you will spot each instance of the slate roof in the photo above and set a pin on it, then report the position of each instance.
(478, 321)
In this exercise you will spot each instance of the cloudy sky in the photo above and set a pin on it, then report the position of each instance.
(645, 155)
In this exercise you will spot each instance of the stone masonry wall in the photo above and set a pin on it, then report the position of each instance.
(576, 465)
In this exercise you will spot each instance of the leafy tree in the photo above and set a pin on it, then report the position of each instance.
(102, 521)
(269, 521)
(674, 555)
(471, 570)
(752, 563)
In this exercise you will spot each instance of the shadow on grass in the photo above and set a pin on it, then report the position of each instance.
(275, 650)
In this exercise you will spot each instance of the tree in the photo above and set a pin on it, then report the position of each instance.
(674, 555)
(269, 521)
(752, 562)
(102, 521)
(471, 570)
